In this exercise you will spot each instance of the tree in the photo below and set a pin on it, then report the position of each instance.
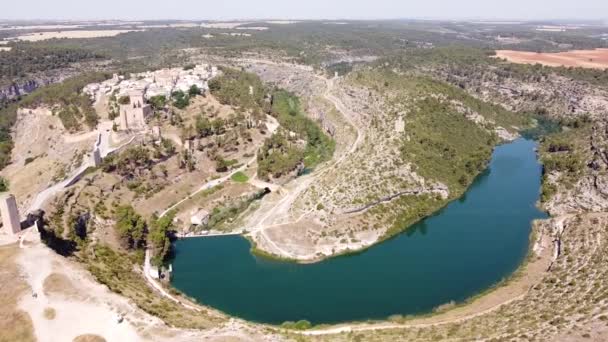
(158, 102)
(194, 90)
(218, 126)
(3, 184)
(180, 100)
(159, 238)
(124, 100)
(203, 126)
(131, 227)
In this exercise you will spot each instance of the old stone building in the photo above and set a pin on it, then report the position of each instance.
(10, 214)
(133, 115)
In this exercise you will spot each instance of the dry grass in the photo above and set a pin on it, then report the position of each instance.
(89, 338)
(593, 59)
(60, 284)
(15, 325)
(50, 313)
(35, 37)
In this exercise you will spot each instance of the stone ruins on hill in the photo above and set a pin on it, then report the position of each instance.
(154, 83)
(144, 86)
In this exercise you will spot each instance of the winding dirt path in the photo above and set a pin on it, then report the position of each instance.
(283, 206)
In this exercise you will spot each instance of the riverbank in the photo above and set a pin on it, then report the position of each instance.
(514, 288)
(469, 246)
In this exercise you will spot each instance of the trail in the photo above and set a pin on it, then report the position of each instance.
(208, 186)
(159, 287)
(102, 143)
(272, 127)
(283, 206)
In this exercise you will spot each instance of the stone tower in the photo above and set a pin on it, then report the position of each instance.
(10, 214)
(97, 157)
(132, 116)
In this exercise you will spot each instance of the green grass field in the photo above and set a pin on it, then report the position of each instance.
(239, 177)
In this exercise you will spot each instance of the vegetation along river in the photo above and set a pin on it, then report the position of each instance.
(464, 249)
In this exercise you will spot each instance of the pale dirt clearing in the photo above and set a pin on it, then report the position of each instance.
(36, 37)
(593, 59)
(52, 287)
(15, 324)
(66, 303)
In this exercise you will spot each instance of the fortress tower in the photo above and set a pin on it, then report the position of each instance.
(97, 157)
(133, 115)
(10, 214)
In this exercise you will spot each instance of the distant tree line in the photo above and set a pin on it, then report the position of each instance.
(22, 60)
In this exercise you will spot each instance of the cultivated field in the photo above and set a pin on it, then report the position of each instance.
(35, 37)
(596, 59)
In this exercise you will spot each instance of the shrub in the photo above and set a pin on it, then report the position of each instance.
(180, 100)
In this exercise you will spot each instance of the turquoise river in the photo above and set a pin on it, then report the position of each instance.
(465, 248)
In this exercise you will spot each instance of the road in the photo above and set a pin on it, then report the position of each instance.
(102, 142)
(208, 186)
(159, 287)
(283, 206)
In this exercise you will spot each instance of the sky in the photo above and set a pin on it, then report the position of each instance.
(304, 9)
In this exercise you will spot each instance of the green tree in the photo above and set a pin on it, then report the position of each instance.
(180, 100)
(203, 126)
(194, 90)
(131, 227)
(158, 102)
(3, 184)
(159, 238)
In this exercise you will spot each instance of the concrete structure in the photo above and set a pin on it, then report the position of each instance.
(96, 157)
(133, 116)
(200, 217)
(156, 132)
(10, 214)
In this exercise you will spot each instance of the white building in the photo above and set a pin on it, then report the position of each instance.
(154, 83)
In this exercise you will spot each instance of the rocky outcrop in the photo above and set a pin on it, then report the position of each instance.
(590, 193)
(18, 89)
(553, 95)
(24, 87)
(285, 178)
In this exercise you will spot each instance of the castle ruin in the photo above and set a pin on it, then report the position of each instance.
(133, 115)
(10, 214)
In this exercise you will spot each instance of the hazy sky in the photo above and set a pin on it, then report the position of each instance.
(304, 9)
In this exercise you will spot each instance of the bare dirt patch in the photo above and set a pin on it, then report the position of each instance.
(35, 37)
(594, 59)
(59, 284)
(49, 313)
(15, 324)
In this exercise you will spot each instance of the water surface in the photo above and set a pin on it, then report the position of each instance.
(467, 247)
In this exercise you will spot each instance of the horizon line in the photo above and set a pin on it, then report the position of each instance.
(354, 19)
